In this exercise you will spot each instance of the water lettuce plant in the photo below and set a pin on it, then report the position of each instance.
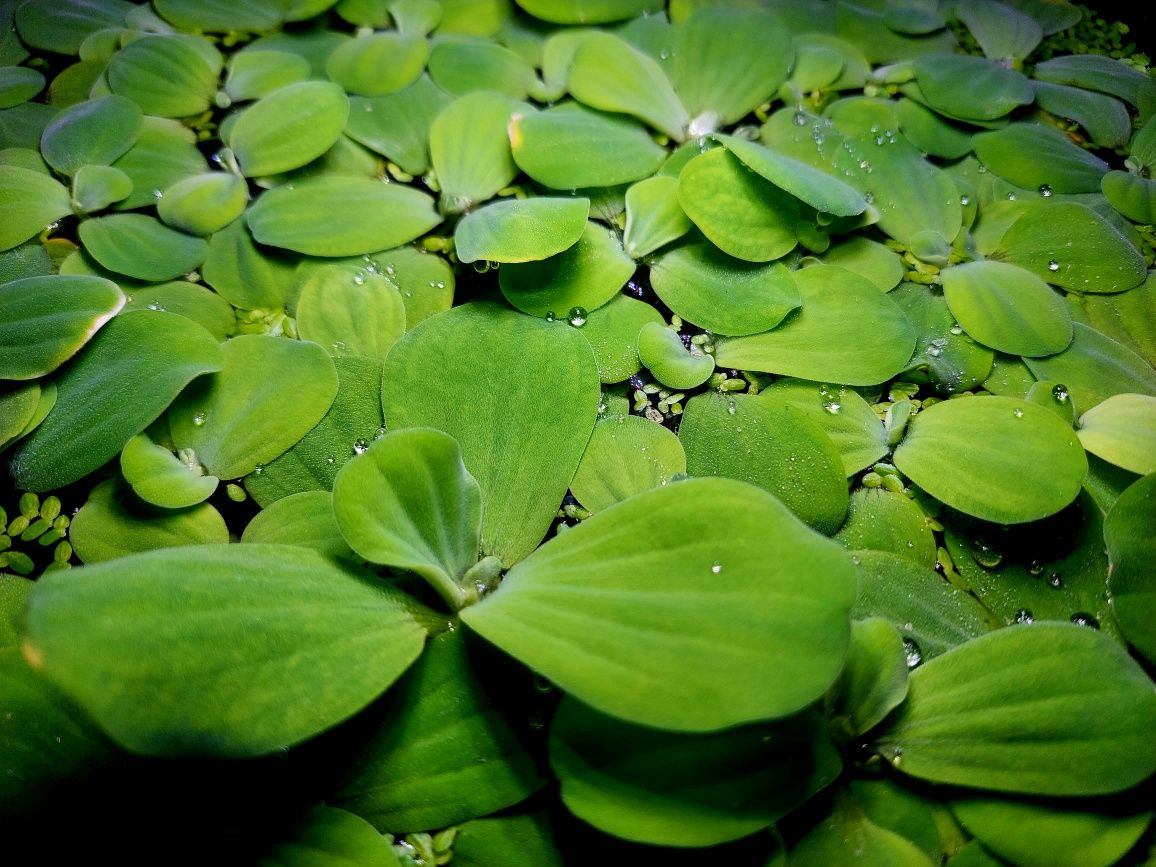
(602, 431)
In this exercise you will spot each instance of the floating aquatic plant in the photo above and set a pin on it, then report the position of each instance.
(576, 432)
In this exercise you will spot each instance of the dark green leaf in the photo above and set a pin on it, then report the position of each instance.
(328, 837)
(1128, 537)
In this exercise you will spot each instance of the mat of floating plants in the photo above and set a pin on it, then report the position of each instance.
(576, 432)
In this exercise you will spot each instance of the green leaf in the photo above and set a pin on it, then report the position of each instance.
(880, 520)
(1128, 537)
(610, 74)
(1131, 195)
(1093, 72)
(288, 128)
(1049, 709)
(397, 125)
(816, 188)
(1033, 572)
(352, 422)
(94, 188)
(823, 340)
(117, 386)
(361, 216)
(875, 680)
(1042, 833)
(164, 153)
(750, 608)
(612, 331)
(545, 383)
(1070, 245)
(1094, 368)
(675, 366)
(222, 15)
(202, 651)
(18, 407)
(521, 230)
(115, 523)
(270, 393)
(160, 478)
(378, 63)
(927, 610)
(205, 203)
(409, 502)
(94, 132)
(676, 789)
(63, 27)
(470, 148)
(29, 201)
(44, 321)
(727, 62)
(626, 455)
(770, 443)
(842, 413)
(52, 753)
(167, 75)
(255, 74)
(1007, 308)
(439, 752)
(569, 146)
(653, 216)
(1039, 157)
(586, 275)
(1105, 118)
(589, 11)
(1122, 431)
(328, 837)
(996, 458)
(910, 813)
(463, 66)
(848, 836)
(247, 276)
(358, 313)
(971, 88)
(1004, 33)
(724, 295)
(512, 841)
(305, 519)
(141, 247)
(743, 214)
(932, 132)
(869, 259)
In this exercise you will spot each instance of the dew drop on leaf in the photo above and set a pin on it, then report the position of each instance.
(913, 653)
(577, 316)
(832, 407)
(1036, 567)
(965, 200)
(550, 317)
(1045, 191)
(1018, 413)
(731, 408)
(199, 419)
(1053, 265)
(1024, 616)
(1056, 580)
(716, 568)
(1060, 393)
(1082, 618)
(360, 447)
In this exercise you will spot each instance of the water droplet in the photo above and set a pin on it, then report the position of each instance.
(869, 197)
(199, 419)
(1060, 393)
(855, 560)
(154, 306)
(360, 447)
(1036, 567)
(577, 316)
(833, 407)
(1082, 618)
(879, 140)
(965, 200)
(731, 408)
(664, 54)
(1055, 580)
(550, 317)
(258, 470)
(1023, 616)
(331, 460)
(1011, 197)
(158, 194)
(339, 346)
(1018, 413)
(800, 118)
(716, 568)
(987, 556)
(1045, 191)
(865, 166)
(912, 652)
(1053, 265)
(379, 433)
(957, 328)
(441, 284)
(390, 270)
(359, 278)
(934, 351)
